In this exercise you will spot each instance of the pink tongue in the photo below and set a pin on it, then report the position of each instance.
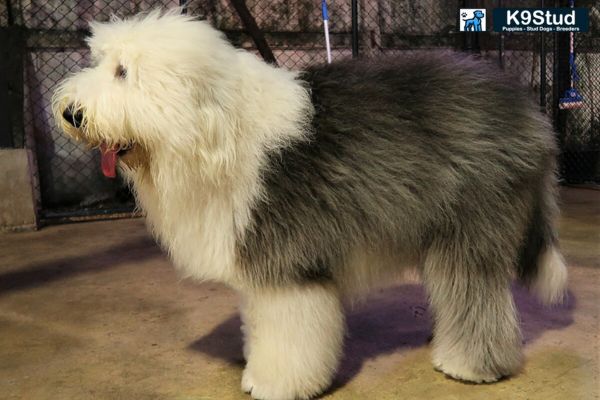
(109, 160)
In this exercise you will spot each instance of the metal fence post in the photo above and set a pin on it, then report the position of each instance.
(183, 5)
(254, 31)
(501, 42)
(354, 28)
(471, 39)
(542, 67)
(12, 43)
(6, 137)
(561, 79)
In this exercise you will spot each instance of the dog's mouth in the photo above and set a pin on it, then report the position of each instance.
(109, 157)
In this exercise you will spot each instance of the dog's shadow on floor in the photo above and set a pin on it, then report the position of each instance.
(389, 320)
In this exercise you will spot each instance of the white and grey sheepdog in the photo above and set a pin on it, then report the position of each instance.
(301, 189)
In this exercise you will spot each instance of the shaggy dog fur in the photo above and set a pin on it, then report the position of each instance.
(298, 189)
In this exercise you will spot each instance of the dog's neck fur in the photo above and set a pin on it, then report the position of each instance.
(230, 173)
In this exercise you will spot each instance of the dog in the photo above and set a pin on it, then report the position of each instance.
(474, 24)
(303, 189)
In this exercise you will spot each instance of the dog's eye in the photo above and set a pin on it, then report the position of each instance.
(121, 72)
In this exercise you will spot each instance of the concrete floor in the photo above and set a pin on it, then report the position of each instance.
(95, 311)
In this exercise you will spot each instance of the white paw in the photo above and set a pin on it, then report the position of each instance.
(462, 372)
(247, 381)
(276, 388)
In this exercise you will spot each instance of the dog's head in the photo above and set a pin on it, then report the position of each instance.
(478, 14)
(151, 84)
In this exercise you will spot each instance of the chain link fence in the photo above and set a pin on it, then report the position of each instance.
(580, 128)
(404, 25)
(292, 29)
(538, 61)
(46, 39)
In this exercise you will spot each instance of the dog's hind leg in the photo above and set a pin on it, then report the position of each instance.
(476, 333)
(293, 340)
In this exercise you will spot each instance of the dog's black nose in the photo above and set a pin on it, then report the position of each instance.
(73, 117)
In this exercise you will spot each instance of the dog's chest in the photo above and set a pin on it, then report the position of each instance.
(197, 229)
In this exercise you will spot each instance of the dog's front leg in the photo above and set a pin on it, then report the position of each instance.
(293, 340)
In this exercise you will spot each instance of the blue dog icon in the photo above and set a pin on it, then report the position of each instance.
(474, 24)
